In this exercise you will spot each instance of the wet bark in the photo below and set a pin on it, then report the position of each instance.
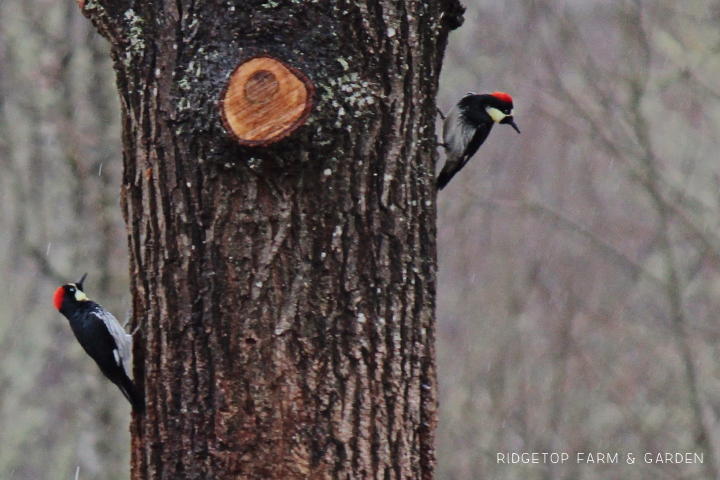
(285, 293)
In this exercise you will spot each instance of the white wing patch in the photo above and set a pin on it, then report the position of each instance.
(457, 139)
(123, 340)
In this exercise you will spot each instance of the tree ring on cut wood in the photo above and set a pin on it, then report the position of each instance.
(265, 100)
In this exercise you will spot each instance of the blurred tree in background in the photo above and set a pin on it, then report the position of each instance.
(60, 157)
(578, 284)
(579, 280)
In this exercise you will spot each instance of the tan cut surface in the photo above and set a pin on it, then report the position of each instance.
(264, 101)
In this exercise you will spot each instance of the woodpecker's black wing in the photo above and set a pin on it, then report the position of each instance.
(481, 134)
(103, 338)
(454, 164)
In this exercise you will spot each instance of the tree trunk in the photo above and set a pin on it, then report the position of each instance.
(285, 291)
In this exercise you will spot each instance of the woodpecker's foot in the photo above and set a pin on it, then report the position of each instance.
(440, 113)
(136, 329)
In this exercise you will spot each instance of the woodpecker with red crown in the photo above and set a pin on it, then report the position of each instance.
(467, 126)
(102, 337)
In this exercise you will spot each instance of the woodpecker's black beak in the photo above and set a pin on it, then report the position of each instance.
(509, 121)
(79, 283)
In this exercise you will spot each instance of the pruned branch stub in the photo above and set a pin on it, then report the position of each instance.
(265, 100)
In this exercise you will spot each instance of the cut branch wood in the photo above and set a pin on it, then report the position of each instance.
(265, 101)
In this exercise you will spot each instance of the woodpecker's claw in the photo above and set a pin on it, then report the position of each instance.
(136, 329)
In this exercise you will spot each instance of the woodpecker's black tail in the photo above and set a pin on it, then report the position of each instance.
(452, 166)
(444, 178)
(131, 392)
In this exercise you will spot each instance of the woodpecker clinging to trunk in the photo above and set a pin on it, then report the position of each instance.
(102, 337)
(467, 126)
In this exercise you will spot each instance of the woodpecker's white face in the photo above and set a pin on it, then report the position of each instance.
(79, 294)
(497, 115)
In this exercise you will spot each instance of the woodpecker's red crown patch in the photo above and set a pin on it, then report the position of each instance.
(502, 96)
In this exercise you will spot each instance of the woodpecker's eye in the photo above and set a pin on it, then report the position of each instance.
(72, 289)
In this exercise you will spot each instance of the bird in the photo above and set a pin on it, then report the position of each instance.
(466, 127)
(101, 336)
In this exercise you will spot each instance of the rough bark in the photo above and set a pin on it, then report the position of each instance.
(285, 293)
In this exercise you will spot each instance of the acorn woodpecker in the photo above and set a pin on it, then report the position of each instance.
(468, 125)
(102, 337)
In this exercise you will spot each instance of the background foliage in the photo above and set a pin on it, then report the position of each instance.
(578, 262)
